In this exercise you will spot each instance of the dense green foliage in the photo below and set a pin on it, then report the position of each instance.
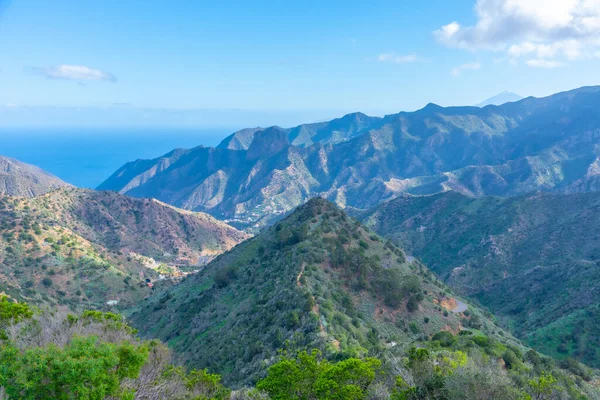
(309, 376)
(469, 366)
(94, 356)
(83, 369)
(532, 260)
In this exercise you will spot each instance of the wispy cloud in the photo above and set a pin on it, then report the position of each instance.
(78, 73)
(541, 63)
(397, 59)
(551, 31)
(469, 66)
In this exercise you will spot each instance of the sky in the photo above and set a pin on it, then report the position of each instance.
(314, 58)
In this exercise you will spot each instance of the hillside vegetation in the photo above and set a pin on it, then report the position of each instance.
(96, 355)
(533, 260)
(317, 279)
(79, 248)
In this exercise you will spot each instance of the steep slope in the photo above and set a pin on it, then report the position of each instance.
(20, 179)
(317, 279)
(357, 161)
(533, 260)
(79, 248)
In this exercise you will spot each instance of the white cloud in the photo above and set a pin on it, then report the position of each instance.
(550, 30)
(541, 63)
(469, 66)
(397, 59)
(77, 73)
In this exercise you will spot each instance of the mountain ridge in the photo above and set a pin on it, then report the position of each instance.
(316, 279)
(534, 144)
(20, 179)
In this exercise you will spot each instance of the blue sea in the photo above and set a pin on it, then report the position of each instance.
(86, 157)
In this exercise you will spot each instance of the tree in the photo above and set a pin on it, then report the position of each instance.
(308, 376)
(84, 369)
(544, 387)
(92, 356)
(12, 313)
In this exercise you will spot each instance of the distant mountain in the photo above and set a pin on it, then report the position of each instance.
(357, 161)
(330, 132)
(20, 179)
(317, 279)
(501, 98)
(533, 260)
(80, 248)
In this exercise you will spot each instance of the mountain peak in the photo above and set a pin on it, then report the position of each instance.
(500, 98)
(268, 142)
(317, 279)
(431, 107)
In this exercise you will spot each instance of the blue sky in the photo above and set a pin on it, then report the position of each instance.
(376, 57)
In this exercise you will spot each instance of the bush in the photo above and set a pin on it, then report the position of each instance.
(445, 338)
(308, 376)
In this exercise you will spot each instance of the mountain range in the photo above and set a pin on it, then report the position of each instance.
(257, 175)
(533, 260)
(20, 179)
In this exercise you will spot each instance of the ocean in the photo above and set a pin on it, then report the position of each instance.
(86, 157)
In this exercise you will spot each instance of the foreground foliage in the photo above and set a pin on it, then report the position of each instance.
(92, 356)
(97, 356)
(446, 368)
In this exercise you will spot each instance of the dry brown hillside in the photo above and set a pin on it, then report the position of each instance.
(80, 248)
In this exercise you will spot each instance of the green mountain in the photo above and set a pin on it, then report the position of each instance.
(25, 180)
(533, 260)
(317, 279)
(258, 175)
(80, 248)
